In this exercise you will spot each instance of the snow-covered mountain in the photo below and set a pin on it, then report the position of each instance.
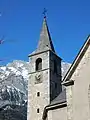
(65, 67)
(13, 90)
(14, 84)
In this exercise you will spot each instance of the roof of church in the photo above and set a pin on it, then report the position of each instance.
(60, 98)
(76, 61)
(45, 41)
(59, 101)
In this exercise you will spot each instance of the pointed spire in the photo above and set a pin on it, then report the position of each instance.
(45, 41)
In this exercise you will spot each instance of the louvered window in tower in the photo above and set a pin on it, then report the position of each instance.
(38, 64)
(55, 66)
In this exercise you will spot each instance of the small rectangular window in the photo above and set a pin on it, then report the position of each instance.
(38, 94)
(38, 110)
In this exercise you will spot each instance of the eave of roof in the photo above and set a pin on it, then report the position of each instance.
(52, 107)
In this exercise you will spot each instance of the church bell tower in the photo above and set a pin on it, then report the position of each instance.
(44, 76)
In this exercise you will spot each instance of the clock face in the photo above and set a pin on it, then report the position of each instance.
(37, 78)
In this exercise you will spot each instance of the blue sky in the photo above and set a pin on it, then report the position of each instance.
(21, 22)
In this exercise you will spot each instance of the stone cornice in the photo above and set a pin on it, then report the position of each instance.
(68, 83)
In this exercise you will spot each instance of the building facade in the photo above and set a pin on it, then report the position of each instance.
(46, 98)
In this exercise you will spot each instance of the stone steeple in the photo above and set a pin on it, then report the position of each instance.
(44, 76)
(45, 41)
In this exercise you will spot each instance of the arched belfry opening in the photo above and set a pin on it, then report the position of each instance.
(38, 64)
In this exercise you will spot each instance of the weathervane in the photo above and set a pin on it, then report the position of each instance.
(44, 12)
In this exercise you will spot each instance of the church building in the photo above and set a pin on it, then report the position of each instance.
(49, 96)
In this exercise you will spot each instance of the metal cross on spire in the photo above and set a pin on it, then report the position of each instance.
(44, 12)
